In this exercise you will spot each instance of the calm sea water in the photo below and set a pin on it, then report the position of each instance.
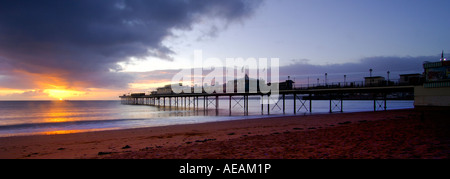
(62, 117)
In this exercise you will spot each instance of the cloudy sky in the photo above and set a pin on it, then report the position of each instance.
(84, 49)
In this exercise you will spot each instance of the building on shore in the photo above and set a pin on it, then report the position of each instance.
(435, 90)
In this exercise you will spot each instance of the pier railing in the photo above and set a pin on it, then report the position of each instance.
(354, 84)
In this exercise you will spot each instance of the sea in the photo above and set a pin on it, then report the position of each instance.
(18, 118)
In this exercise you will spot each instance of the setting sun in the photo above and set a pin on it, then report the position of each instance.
(62, 94)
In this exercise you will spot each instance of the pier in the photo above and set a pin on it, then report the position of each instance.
(302, 99)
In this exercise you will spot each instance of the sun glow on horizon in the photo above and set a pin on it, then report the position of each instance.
(61, 94)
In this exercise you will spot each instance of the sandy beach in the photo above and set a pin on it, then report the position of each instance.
(395, 134)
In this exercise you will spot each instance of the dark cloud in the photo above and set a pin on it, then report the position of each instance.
(81, 41)
(302, 69)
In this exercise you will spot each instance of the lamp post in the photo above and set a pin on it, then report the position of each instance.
(345, 77)
(308, 81)
(326, 80)
(388, 77)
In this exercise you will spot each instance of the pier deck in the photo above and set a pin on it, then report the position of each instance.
(303, 97)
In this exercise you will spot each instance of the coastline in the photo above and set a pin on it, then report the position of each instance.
(382, 134)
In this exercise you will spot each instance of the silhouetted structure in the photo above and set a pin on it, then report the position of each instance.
(137, 94)
(410, 79)
(374, 81)
(244, 84)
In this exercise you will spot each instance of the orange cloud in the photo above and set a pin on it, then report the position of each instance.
(25, 85)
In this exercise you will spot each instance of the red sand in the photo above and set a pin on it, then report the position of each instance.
(385, 134)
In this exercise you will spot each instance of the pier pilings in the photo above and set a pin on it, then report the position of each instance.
(302, 100)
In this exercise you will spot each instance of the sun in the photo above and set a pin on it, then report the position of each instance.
(61, 94)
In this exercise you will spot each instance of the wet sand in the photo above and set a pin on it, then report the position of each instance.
(385, 134)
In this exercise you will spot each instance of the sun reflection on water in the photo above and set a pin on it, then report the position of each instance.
(73, 131)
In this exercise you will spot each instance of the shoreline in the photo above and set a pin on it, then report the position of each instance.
(31, 124)
(176, 141)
